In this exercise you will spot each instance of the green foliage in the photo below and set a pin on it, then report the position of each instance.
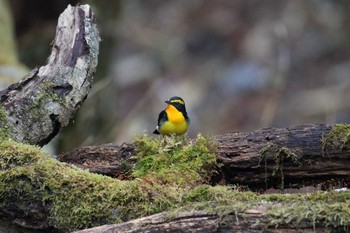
(175, 160)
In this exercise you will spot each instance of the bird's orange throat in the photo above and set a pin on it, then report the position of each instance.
(174, 115)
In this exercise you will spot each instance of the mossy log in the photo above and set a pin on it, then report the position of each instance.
(35, 108)
(286, 157)
(39, 192)
(273, 157)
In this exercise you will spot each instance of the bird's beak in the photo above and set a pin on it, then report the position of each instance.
(167, 101)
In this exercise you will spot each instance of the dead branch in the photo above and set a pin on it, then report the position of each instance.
(255, 220)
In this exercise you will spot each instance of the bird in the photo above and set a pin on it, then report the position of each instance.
(174, 119)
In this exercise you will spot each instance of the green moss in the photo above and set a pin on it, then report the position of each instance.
(45, 97)
(5, 129)
(48, 97)
(280, 155)
(2, 114)
(175, 160)
(79, 199)
(220, 194)
(17, 155)
(338, 137)
(326, 213)
(324, 209)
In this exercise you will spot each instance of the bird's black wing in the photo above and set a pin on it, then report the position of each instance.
(161, 119)
(186, 117)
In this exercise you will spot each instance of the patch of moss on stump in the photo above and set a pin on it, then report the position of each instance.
(338, 137)
(175, 160)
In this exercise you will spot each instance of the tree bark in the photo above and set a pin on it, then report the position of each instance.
(255, 221)
(108, 159)
(34, 109)
(285, 157)
(273, 157)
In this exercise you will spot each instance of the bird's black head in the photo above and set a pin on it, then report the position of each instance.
(178, 103)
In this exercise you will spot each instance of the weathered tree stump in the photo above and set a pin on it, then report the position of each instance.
(34, 109)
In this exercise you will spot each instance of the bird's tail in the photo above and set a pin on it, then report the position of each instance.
(156, 132)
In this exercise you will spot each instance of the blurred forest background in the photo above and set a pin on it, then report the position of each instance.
(240, 65)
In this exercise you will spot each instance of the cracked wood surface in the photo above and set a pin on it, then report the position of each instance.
(255, 220)
(34, 109)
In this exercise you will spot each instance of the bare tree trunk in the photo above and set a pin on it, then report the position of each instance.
(34, 109)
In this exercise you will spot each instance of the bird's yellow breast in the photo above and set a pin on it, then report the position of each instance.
(176, 123)
(174, 115)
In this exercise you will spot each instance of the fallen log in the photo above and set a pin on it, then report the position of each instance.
(108, 159)
(274, 157)
(286, 157)
(254, 220)
(38, 192)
